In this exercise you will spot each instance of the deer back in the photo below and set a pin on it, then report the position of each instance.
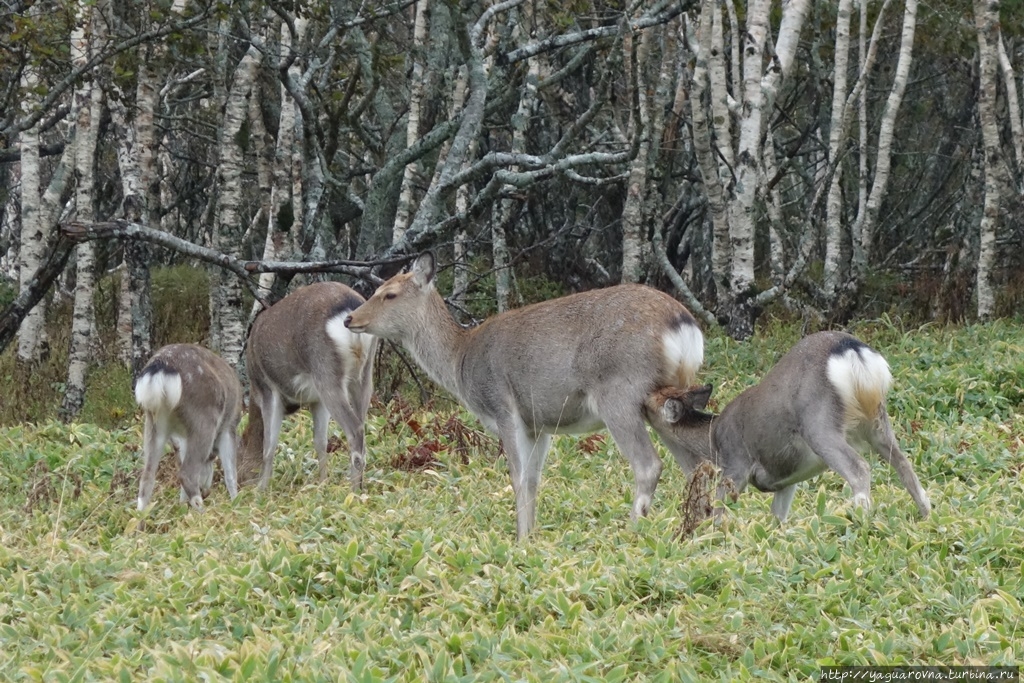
(548, 362)
(191, 381)
(303, 338)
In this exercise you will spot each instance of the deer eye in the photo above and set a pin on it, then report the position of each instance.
(390, 295)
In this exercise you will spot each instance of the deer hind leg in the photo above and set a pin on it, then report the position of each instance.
(227, 448)
(154, 439)
(196, 464)
(630, 433)
(881, 438)
(273, 415)
(833, 449)
(340, 408)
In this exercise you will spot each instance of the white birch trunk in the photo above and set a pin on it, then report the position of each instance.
(986, 18)
(226, 290)
(88, 104)
(132, 326)
(773, 203)
(141, 189)
(10, 226)
(706, 156)
(284, 213)
(883, 159)
(633, 222)
(1012, 104)
(721, 115)
(292, 149)
(500, 257)
(35, 231)
(856, 240)
(412, 128)
(834, 204)
(741, 220)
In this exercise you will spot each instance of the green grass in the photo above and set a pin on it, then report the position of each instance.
(419, 577)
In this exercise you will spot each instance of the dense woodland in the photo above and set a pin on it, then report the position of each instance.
(828, 159)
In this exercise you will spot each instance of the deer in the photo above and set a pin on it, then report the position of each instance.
(193, 397)
(300, 353)
(829, 390)
(574, 364)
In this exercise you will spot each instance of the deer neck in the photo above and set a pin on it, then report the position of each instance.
(437, 343)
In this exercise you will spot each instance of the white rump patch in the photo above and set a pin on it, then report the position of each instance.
(862, 378)
(684, 352)
(354, 349)
(158, 391)
(345, 339)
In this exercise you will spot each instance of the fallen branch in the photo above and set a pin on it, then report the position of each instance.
(77, 231)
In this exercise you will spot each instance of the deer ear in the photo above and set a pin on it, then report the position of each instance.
(699, 397)
(423, 269)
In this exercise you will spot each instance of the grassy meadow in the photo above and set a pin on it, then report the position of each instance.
(419, 577)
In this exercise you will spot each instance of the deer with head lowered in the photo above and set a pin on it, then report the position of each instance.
(192, 396)
(829, 390)
(569, 365)
(300, 353)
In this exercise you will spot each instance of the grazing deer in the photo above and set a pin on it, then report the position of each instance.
(192, 396)
(569, 365)
(300, 353)
(794, 424)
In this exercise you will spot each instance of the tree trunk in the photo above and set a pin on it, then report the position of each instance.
(88, 106)
(284, 219)
(859, 266)
(35, 231)
(706, 155)
(742, 218)
(412, 128)
(986, 21)
(140, 183)
(226, 291)
(633, 222)
(834, 205)
(883, 159)
(1012, 106)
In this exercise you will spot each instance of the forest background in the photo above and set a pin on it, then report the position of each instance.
(822, 161)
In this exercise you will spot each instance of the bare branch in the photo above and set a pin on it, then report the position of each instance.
(77, 232)
(679, 283)
(566, 39)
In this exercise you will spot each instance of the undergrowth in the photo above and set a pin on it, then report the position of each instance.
(419, 576)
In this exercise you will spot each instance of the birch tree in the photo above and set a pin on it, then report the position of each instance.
(284, 218)
(834, 206)
(137, 161)
(417, 85)
(87, 106)
(35, 231)
(867, 218)
(732, 197)
(986, 21)
(226, 311)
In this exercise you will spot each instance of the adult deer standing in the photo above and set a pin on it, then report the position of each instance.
(300, 353)
(830, 387)
(192, 396)
(569, 365)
